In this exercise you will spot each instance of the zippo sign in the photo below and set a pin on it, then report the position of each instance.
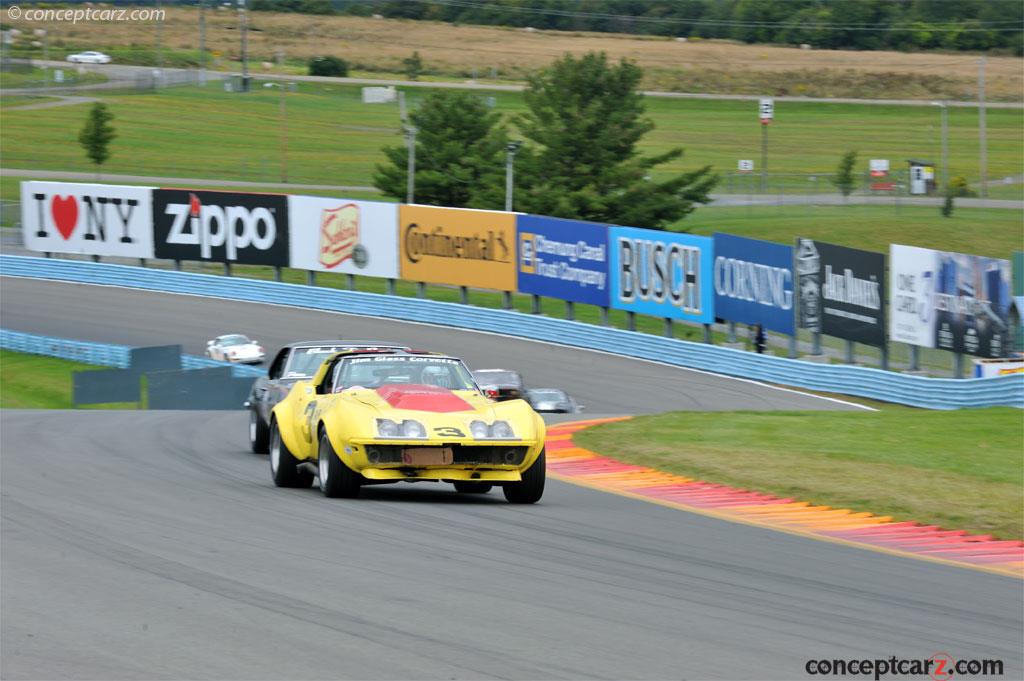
(661, 274)
(90, 219)
(250, 229)
(565, 259)
(342, 235)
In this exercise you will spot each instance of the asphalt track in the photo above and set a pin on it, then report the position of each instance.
(153, 545)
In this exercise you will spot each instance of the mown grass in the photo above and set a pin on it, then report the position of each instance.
(333, 138)
(35, 382)
(40, 77)
(960, 470)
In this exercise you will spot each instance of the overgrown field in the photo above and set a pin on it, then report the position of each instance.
(34, 382)
(379, 46)
(331, 137)
(960, 470)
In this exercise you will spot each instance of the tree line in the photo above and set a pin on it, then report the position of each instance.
(975, 25)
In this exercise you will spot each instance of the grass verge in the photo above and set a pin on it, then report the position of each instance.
(960, 470)
(35, 382)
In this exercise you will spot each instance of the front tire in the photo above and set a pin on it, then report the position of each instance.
(284, 467)
(336, 479)
(259, 433)
(470, 487)
(531, 488)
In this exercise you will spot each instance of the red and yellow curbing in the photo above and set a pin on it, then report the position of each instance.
(576, 465)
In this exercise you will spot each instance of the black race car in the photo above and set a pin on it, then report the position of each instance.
(552, 400)
(500, 384)
(294, 362)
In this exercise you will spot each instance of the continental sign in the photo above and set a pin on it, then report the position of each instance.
(457, 246)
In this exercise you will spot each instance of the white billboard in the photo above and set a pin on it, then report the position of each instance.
(344, 235)
(90, 219)
(949, 301)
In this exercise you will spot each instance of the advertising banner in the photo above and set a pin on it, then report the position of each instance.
(565, 259)
(458, 246)
(91, 219)
(754, 282)
(841, 291)
(250, 229)
(950, 301)
(662, 274)
(342, 235)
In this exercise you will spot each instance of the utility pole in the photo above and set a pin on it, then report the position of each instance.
(410, 184)
(202, 42)
(766, 112)
(159, 39)
(510, 159)
(243, 19)
(284, 119)
(945, 146)
(982, 143)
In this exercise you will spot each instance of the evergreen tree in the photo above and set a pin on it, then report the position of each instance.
(97, 134)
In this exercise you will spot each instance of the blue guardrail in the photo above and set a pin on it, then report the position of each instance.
(917, 391)
(103, 354)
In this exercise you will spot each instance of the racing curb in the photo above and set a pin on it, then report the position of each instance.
(570, 463)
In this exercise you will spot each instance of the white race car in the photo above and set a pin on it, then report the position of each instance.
(235, 347)
(89, 58)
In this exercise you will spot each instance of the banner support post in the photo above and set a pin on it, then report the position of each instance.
(792, 346)
(277, 273)
(885, 356)
(816, 343)
(707, 334)
(535, 309)
(227, 269)
(464, 295)
(849, 352)
(570, 310)
(668, 328)
(915, 358)
(390, 287)
(421, 289)
(631, 320)
(351, 281)
(732, 332)
(958, 365)
(310, 278)
(507, 300)
(604, 316)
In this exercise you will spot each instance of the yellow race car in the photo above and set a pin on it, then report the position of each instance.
(381, 416)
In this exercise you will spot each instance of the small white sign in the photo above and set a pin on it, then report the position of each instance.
(745, 165)
(766, 110)
(879, 165)
(379, 95)
(58, 76)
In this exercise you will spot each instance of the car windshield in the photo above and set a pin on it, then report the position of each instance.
(374, 372)
(234, 340)
(305, 361)
(496, 377)
(547, 395)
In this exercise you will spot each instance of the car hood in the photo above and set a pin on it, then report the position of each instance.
(418, 397)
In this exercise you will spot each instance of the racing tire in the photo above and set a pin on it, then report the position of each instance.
(470, 487)
(284, 467)
(336, 479)
(259, 433)
(531, 488)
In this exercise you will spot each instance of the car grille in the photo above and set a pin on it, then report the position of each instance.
(461, 454)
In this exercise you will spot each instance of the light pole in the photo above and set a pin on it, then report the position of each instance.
(410, 183)
(202, 42)
(945, 143)
(510, 159)
(982, 143)
(243, 20)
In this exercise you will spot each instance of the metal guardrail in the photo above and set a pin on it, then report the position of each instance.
(103, 354)
(917, 391)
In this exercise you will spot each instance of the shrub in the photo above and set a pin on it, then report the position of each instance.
(958, 187)
(328, 66)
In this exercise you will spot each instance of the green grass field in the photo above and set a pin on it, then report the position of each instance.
(34, 382)
(960, 470)
(333, 138)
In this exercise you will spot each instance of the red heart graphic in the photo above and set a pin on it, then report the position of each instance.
(65, 215)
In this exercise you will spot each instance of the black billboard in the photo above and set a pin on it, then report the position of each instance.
(841, 291)
(249, 229)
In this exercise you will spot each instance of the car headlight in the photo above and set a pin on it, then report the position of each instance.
(499, 430)
(406, 429)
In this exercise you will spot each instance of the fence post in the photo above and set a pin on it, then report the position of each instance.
(535, 307)
(277, 273)
(570, 311)
(885, 356)
(177, 265)
(732, 332)
(142, 262)
(707, 335)
(915, 358)
(604, 316)
(227, 269)
(849, 352)
(792, 346)
(464, 295)
(421, 289)
(351, 281)
(668, 328)
(390, 288)
(958, 365)
(310, 278)
(506, 302)
(631, 320)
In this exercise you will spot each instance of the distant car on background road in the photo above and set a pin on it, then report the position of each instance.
(294, 362)
(89, 58)
(234, 347)
(500, 384)
(552, 400)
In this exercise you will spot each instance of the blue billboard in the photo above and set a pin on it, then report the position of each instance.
(754, 282)
(565, 259)
(661, 274)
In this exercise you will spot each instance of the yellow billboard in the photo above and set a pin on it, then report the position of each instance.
(458, 246)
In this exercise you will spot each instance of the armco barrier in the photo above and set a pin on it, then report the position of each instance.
(918, 391)
(102, 354)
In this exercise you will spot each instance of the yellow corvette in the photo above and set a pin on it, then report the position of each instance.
(380, 416)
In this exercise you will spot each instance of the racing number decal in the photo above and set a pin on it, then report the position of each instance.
(448, 431)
